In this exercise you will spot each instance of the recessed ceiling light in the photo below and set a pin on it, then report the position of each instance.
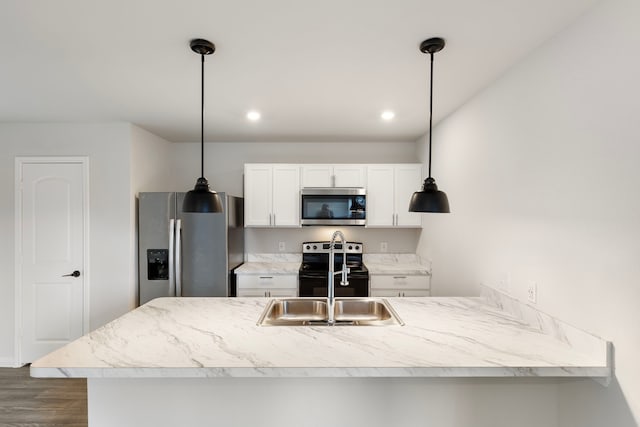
(254, 116)
(387, 115)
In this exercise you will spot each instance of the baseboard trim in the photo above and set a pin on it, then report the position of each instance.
(8, 362)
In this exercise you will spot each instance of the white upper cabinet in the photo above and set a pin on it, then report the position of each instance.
(271, 195)
(317, 176)
(389, 189)
(380, 204)
(349, 175)
(286, 195)
(272, 191)
(340, 175)
(258, 199)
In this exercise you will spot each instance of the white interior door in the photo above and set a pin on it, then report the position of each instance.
(50, 255)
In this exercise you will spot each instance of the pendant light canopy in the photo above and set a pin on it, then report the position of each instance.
(202, 199)
(430, 199)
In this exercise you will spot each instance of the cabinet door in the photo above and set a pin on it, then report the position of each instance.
(257, 195)
(317, 176)
(408, 179)
(286, 195)
(380, 212)
(348, 175)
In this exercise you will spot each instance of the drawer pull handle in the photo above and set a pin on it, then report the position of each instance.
(399, 277)
(266, 277)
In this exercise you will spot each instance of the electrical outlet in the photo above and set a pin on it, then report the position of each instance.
(282, 247)
(532, 292)
(383, 247)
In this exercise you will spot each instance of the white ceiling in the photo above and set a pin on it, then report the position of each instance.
(319, 70)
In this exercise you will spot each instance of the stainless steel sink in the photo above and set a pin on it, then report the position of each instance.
(294, 311)
(314, 312)
(365, 311)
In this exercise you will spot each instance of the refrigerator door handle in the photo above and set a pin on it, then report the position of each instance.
(178, 258)
(172, 271)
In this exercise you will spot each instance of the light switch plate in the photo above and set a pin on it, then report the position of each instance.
(532, 292)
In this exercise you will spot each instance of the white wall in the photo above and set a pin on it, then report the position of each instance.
(224, 168)
(542, 176)
(224, 162)
(260, 240)
(107, 146)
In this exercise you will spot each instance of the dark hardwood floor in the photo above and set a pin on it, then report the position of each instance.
(35, 402)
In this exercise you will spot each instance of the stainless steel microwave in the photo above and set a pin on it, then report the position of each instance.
(333, 206)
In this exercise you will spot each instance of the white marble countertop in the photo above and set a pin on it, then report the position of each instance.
(387, 264)
(215, 337)
(282, 263)
(275, 268)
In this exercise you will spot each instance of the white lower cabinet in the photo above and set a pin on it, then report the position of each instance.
(274, 286)
(400, 285)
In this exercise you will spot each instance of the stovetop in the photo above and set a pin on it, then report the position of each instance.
(323, 247)
(315, 258)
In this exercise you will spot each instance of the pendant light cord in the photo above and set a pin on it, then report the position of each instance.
(430, 111)
(202, 123)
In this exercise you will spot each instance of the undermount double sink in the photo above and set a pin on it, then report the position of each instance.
(315, 312)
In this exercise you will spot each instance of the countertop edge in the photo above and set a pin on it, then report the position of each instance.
(327, 372)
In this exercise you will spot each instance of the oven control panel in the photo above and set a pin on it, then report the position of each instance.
(324, 247)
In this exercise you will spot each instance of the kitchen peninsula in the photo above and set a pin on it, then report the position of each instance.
(181, 361)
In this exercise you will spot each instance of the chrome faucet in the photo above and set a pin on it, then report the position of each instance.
(332, 273)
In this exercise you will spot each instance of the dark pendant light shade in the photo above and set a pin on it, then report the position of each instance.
(202, 199)
(430, 199)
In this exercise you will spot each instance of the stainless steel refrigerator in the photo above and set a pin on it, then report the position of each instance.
(187, 254)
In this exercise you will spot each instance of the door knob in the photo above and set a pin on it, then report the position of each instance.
(76, 273)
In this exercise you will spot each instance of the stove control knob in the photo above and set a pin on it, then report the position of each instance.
(315, 247)
(308, 247)
(350, 247)
(357, 247)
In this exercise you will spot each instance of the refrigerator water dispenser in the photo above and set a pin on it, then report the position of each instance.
(158, 264)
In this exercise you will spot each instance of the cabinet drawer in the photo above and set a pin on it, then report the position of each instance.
(399, 281)
(267, 293)
(271, 281)
(378, 293)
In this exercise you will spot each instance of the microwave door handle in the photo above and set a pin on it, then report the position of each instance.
(172, 271)
(178, 258)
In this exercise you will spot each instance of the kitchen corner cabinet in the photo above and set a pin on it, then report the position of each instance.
(389, 189)
(400, 285)
(271, 195)
(340, 175)
(274, 286)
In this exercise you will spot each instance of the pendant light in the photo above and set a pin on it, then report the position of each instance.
(430, 199)
(202, 199)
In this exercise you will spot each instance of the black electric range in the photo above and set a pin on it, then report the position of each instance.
(314, 271)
